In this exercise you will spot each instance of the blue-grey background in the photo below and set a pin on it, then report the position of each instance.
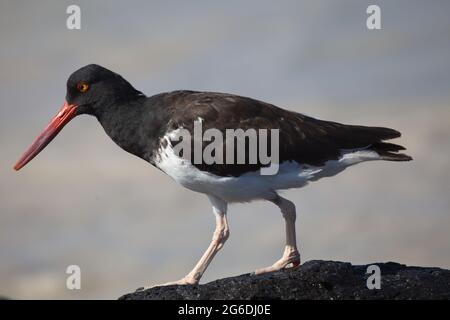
(84, 201)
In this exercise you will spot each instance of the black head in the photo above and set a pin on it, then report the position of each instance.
(90, 90)
(94, 87)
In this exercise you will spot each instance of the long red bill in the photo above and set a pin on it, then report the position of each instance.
(66, 113)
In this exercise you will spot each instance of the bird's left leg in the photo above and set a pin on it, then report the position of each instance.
(291, 256)
(221, 235)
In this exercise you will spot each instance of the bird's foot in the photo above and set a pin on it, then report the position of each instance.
(188, 280)
(290, 259)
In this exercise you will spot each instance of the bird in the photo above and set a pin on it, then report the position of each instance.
(309, 149)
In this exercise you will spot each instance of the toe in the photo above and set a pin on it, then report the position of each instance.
(182, 282)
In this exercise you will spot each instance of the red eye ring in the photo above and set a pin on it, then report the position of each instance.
(82, 86)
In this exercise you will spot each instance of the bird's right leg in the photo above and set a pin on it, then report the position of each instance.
(221, 235)
(291, 256)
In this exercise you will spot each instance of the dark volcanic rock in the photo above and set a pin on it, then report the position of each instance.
(315, 280)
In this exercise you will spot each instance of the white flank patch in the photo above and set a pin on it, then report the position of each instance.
(253, 185)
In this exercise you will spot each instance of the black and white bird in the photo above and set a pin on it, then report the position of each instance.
(309, 149)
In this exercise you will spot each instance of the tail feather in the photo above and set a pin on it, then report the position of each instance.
(390, 156)
(376, 136)
(385, 146)
(389, 151)
(354, 137)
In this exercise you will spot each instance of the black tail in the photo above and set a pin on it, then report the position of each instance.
(387, 151)
(390, 151)
(336, 137)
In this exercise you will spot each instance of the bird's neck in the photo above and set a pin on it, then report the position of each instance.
(133, 125)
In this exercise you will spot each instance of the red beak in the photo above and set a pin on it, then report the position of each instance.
(66, 114)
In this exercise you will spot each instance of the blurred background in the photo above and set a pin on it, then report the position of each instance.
(84, 201)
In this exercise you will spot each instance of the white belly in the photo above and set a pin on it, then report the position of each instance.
(253, 185)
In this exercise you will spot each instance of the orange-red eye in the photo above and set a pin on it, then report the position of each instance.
(82, 86)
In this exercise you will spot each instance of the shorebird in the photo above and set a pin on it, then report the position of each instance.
(309, 149)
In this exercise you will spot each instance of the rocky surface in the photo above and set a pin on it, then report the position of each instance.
(315, 280)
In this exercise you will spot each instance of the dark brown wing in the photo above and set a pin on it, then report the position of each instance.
(301, 138)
